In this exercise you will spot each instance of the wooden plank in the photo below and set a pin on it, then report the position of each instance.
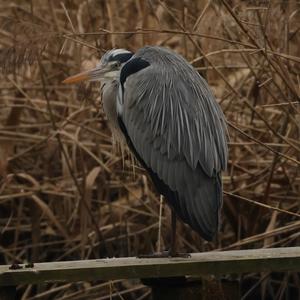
(227, 262)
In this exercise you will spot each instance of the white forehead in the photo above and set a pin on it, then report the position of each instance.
(114, 53)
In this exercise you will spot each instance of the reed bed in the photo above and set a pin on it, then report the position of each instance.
(67, 192)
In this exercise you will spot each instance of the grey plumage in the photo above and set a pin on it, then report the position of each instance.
(174, 126)
(179, 131)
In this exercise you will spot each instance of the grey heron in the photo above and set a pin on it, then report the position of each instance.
(172, 123)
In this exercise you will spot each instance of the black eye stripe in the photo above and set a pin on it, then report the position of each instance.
(133, 66)
(122, 57)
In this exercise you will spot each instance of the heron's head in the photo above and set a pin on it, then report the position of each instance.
(107, 70)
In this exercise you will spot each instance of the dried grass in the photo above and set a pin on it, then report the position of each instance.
(67, 194)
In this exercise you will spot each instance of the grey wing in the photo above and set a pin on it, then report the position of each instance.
(177, 133)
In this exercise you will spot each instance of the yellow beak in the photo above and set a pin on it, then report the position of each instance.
(78, 77)
(97, 74)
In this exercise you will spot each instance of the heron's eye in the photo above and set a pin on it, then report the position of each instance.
(116, 64)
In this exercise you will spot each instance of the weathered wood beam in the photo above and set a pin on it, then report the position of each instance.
(227, 262)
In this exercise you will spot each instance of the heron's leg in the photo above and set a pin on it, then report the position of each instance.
(173, 251)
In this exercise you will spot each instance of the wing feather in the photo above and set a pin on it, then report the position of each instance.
(177, 131)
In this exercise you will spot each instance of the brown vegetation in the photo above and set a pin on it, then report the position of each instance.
(67, 194)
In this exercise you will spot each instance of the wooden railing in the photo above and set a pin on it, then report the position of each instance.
(199, 264)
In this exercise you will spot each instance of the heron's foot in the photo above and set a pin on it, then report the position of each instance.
(165, 254)
(178, 254)
(155, 255)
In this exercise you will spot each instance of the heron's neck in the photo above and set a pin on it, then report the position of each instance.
(109, 91)
(109, 99)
